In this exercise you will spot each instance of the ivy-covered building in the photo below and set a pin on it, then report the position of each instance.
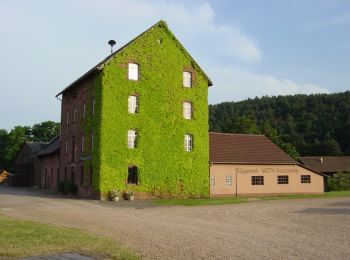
(138, 121)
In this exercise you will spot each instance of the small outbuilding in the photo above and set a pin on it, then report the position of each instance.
(244, 164)
(49, 158)
(27, 169)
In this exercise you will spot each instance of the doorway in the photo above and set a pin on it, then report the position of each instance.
(132, 175)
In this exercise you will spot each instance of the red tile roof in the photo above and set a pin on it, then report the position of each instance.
(245, 148)
(328, 164)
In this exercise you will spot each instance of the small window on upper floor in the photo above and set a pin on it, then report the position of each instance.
(66, 148)
(82, 143)
(67, 118)
(132, 135)
(187, 110)
(187, 79)
(84, 110)
(93, 104)
(188, 143)
(133, 102)
(133, 71)
(74, 114)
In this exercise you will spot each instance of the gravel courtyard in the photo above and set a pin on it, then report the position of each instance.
(290, 229)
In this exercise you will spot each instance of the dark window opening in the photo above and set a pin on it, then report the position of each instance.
(91, 174)
(51, 177)
(282, 179)
(73, 149)
(73, 175)
(132, 175)
(257, 180)
(81, 174)
(65, 174)
(305, 178)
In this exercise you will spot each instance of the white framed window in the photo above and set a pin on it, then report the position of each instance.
(228, 180)
(133, 71)
(212, 180)
(84, 110)
(82, 143)
(93, 103)
(188, 142)
(187, 110)
(133, 102)
(66, 150)
(74, 114)
(187, 79)
(132, 135)
(67, 118)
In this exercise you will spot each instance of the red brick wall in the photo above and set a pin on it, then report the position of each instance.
(49, 171)
(70, 163)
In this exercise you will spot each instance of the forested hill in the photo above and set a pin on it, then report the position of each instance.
(313, 124)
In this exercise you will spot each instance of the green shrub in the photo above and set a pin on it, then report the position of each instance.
(67, 187)
(60, 186)
(338, 182)
(113, 193)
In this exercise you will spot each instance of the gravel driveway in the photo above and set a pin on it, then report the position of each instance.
(290, 229)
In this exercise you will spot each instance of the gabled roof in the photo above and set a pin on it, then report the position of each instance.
(36, 146)
(51, 147)
(327, 164)
(100, 65)
(245, 148)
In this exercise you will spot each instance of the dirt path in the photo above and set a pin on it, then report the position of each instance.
(292, 229)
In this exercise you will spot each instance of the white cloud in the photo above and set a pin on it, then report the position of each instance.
(233, 83)
(194, 25)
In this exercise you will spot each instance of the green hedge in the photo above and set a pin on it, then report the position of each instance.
(339, 182)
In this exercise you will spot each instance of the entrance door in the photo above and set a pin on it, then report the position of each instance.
(132, 175)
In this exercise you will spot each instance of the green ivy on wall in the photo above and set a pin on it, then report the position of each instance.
(164, 167)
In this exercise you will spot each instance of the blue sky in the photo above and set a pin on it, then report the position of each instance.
(248, 48)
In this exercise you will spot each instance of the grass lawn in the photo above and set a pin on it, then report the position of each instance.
(25, 238)
(236, 200)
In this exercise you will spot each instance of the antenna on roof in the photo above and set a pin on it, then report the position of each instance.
(112, 43)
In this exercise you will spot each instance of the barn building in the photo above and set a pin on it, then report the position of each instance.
(328, 165)
(49, 161)
(27, 166)
(253, 165)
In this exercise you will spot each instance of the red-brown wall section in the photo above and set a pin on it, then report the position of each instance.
(72, 132)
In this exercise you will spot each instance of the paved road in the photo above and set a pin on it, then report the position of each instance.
(291, 229)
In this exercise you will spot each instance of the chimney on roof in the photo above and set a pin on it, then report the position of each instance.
(112, 43)
(321, 159)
